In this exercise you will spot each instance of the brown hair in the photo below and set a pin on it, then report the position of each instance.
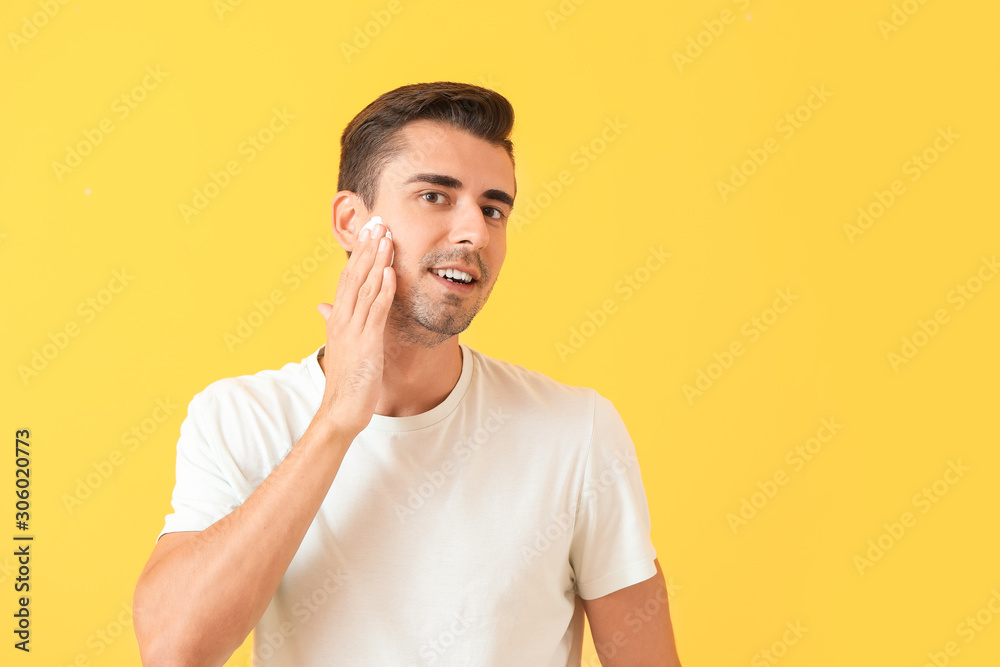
(372, 138)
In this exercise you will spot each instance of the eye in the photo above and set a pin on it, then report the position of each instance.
(432, 194)
(494, 212)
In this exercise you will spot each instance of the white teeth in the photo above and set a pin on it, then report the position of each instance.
(454, 274)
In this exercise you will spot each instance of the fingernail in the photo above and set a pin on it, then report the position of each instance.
(383, 244)
(363, 236)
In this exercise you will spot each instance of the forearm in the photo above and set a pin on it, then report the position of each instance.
(201, 594)
(201, 600)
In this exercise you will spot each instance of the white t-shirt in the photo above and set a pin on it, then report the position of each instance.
(459, 536)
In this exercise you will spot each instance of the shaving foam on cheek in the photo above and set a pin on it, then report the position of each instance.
(377, 220)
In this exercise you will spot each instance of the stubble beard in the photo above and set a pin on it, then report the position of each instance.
(417, 318)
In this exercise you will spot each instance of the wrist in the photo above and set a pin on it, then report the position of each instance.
(328, 428)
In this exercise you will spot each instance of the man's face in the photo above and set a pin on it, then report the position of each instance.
(446, 200)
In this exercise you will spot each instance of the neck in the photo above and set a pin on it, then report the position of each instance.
(415, 378)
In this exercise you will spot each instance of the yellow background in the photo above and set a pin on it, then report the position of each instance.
(682, 130)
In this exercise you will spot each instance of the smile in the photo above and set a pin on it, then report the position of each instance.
(454, 275)
(455, 283)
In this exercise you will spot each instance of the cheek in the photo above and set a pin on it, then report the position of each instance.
(498, 246)
(407, 267)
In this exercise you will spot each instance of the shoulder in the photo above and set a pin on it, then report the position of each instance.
(248, 423)
(258, 393)
(521, 385)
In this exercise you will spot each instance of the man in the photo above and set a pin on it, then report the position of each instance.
(398, 498)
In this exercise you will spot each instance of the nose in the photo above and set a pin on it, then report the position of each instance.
(469, 226)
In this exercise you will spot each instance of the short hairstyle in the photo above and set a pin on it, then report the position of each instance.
(372, 138)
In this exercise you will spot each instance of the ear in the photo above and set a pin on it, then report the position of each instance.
(349, 215)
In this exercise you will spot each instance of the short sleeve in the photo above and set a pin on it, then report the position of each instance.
(611, 547)
(202, 494)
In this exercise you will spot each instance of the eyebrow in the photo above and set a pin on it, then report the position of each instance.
(454, 183)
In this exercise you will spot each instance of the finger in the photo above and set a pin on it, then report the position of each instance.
(325, 309)
(352, 262)
(368, 292)
(378, 313)
(342, 279)
(354, 276)
(355, 254)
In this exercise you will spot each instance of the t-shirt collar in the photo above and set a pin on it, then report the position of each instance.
(413, 422)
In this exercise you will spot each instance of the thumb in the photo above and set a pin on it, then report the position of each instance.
(324, 309)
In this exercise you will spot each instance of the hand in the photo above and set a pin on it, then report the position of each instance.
(355, 325)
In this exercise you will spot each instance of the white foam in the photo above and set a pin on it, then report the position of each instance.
(377, 220)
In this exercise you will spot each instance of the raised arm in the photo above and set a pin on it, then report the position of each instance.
(201, 593)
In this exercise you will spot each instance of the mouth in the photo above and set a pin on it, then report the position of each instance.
(454, 280)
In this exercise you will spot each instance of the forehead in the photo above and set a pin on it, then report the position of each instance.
(429, 146)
